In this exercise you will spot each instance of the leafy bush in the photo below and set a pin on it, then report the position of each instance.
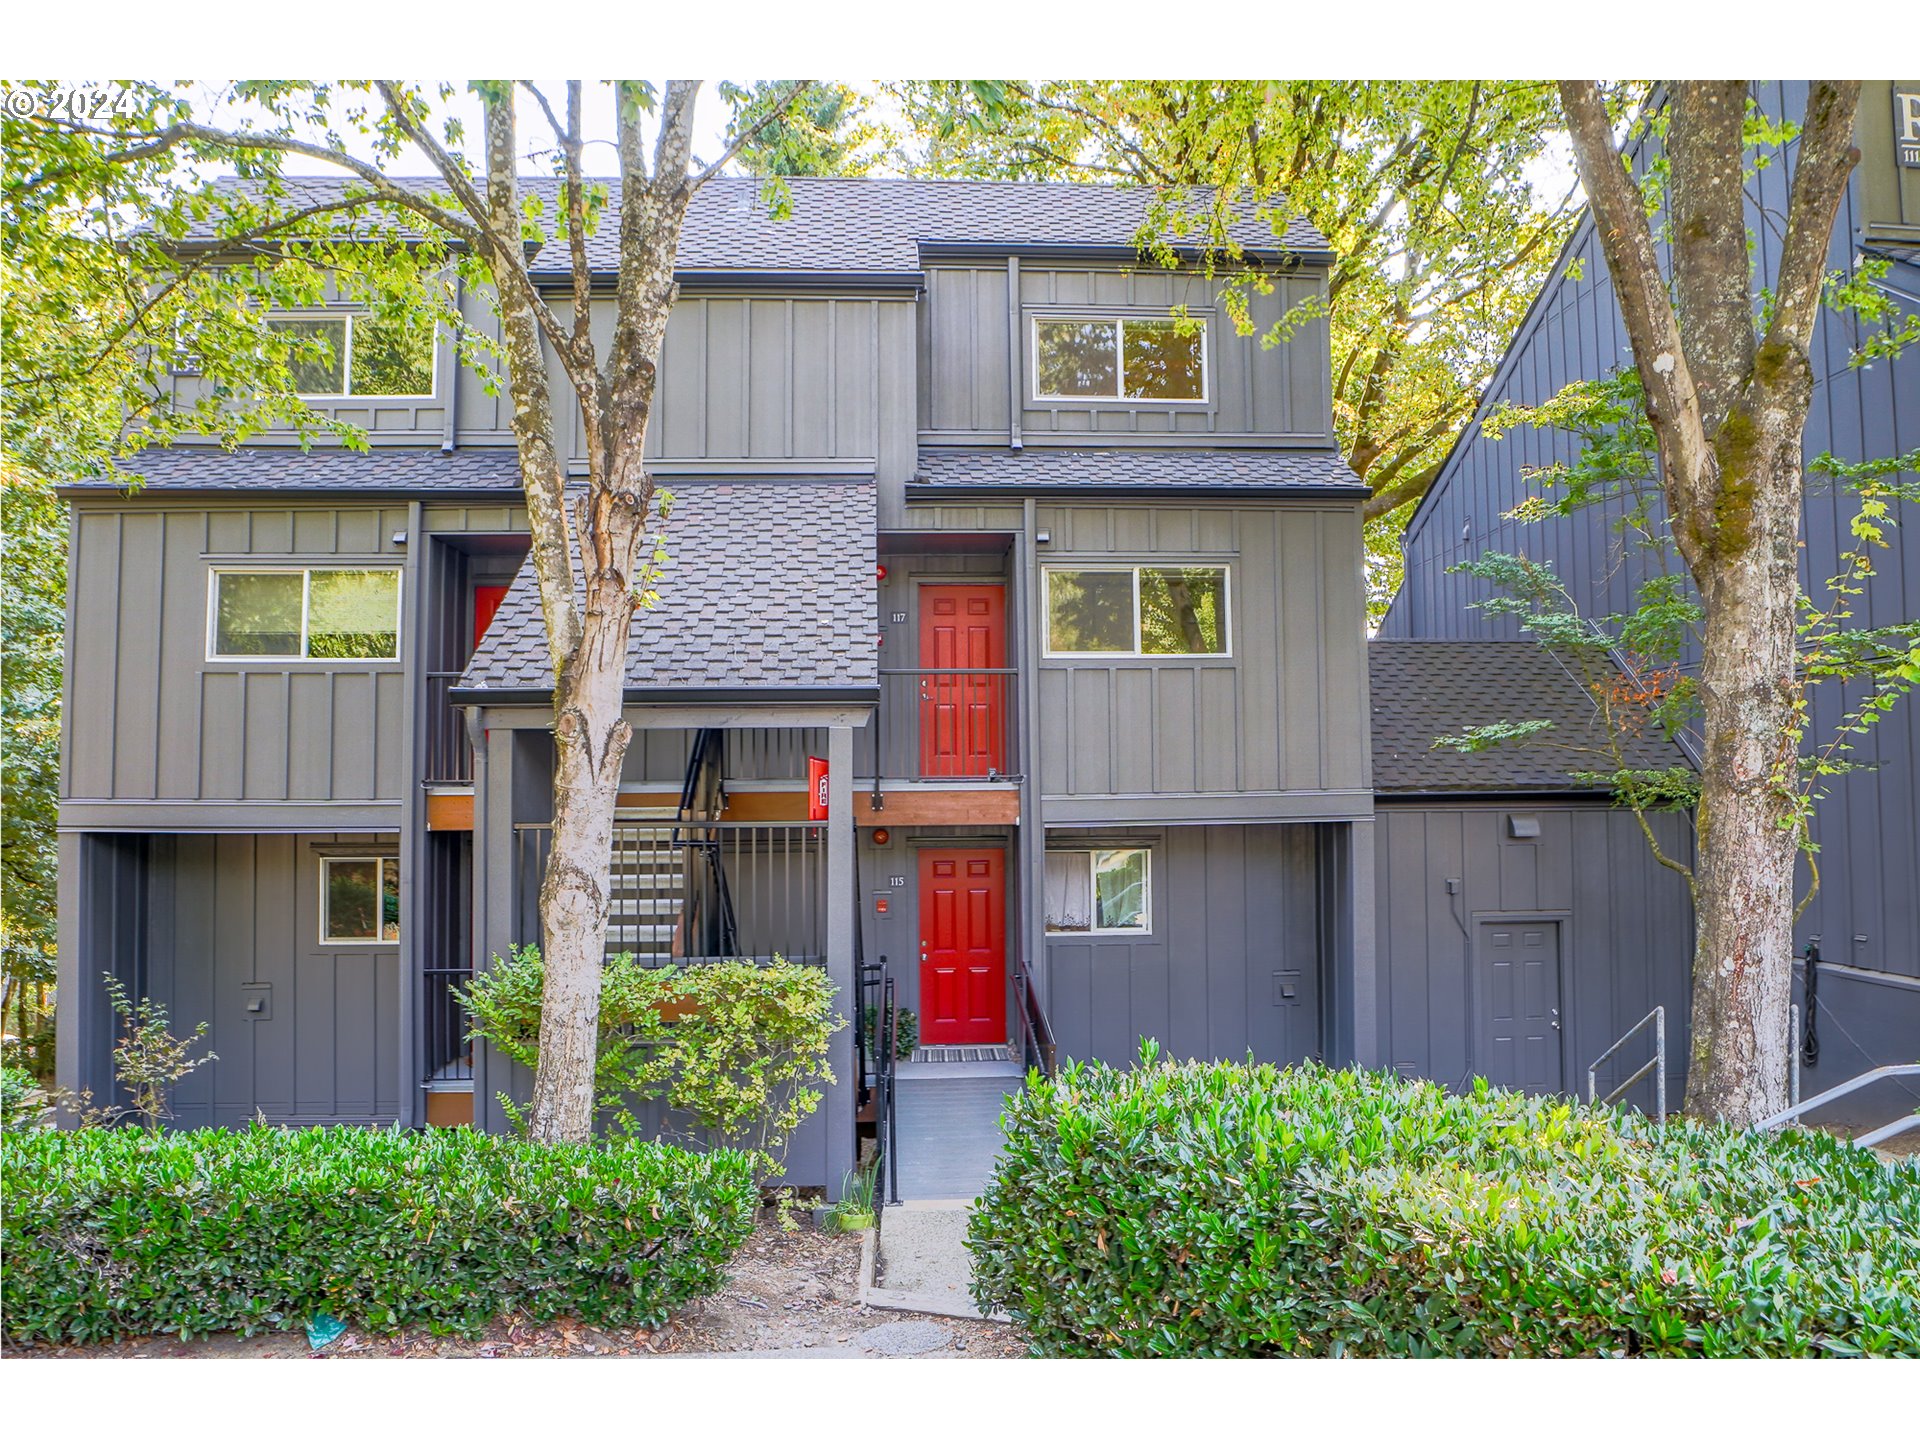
(735, 1050)
(22, 1103)
(906, 1030)
(1210, 1209)
(128, 1232)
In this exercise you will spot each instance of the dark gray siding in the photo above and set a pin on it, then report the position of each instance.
(1626, 925)
(201, 923)
(1869, 826)
(152, 719)
(969, 370)
(1281, 716)
(1235, 918)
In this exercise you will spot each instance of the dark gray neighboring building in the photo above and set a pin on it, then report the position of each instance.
(1866, 917)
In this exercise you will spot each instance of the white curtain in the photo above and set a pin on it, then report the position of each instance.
(1069, 890)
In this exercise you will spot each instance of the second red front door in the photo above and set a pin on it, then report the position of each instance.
(963, 628)
(963, 953)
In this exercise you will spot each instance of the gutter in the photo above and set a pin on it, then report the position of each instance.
(906, 283)
(680, 695)
(259, 494)
(1059, 490)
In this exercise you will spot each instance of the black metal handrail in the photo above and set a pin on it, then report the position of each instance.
(887, 1126)
(1036, 1032)
(708, 746)
(947, 724)
(449, 758)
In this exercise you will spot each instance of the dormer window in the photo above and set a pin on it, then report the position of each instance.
(341, 355)
(1136, 359)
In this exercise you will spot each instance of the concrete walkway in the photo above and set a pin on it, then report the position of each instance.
(949, 1127)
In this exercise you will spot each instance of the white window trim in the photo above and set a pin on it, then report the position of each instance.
(1093, 897)
(378, 862)
(1047, 573)
(346, 358)
(215, 656)
(1119, 399)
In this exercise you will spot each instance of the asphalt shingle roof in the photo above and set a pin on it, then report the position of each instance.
(383, 469)
(767, 586)
(1426, 688)
(1043, 466)
(868, 225)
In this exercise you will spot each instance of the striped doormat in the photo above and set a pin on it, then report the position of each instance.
(960, 1054)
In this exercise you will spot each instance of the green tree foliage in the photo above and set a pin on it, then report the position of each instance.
(1446, 203)
(119, 336)
(829, 130)
(1632, 662)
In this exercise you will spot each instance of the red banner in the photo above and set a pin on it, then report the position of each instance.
(816, 788)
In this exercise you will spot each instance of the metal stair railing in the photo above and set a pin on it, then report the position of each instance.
(1657, 1017)
(1847, 1087)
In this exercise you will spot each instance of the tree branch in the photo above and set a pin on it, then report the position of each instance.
(1827, 157)
(747, 136)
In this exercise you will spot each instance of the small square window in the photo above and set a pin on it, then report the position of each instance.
(1098, 892)
(359, 900)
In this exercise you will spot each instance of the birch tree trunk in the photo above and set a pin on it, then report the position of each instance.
(1728, 400)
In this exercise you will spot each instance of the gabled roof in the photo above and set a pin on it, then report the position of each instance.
(382, 470)
(1423, 689)
(768, 588)
(869, 226)
(1039, 469)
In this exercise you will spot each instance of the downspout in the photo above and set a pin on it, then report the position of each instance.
(450, 422)
(1033, 835)
(477, 885)
(1016, 366)
(412, 848)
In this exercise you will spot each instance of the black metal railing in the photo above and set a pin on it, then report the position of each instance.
(699, 890)
(1036, 1033)
(449, 758)
(947, 725)
(886, 1117)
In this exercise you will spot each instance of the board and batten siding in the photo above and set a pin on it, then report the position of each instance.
(1236, 921)
(1868, 827)
(970, 370)
(1256, 731)
(1626, 930)
(151, 718)
(206, 924)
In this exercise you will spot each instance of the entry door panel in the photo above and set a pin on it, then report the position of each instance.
(963, 717)
(963, 956)
(1519, 1002)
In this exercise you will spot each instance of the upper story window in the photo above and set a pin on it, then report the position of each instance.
(342, 355)
(1098, 892)
(1137, 610)
(304, 615)
(1119, 357)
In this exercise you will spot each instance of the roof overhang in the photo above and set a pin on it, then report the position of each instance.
(925, 490)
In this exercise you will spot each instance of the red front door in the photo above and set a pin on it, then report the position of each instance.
(486, 601)
(963, 947)
(963, 716)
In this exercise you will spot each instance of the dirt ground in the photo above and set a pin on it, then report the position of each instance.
(784, 1292)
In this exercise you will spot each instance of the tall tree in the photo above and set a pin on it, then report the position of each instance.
(1442, 200)
(1723, 356)
(593, 541)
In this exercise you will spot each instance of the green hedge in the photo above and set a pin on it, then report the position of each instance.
(1240, 1210)
(121, 1232)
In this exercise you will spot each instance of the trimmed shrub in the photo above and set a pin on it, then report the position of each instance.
(736, 1051)
(122, 1232)
(1210, 1209)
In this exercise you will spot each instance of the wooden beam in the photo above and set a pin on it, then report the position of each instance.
(938, 807)
(450, 812)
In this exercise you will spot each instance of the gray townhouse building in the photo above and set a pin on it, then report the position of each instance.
(1064, 595)
(1862, 929)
